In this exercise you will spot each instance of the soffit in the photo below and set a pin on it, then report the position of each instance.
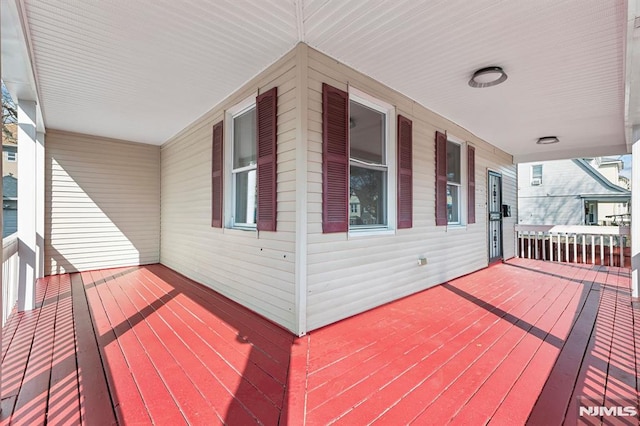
(142, 71)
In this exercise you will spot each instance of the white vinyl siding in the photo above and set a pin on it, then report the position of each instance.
(349, 275)
(102, 203)
(254, 268)
(325, 277)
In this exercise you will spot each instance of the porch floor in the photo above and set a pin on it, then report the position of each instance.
(514, 343)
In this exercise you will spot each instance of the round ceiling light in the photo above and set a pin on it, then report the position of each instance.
(487, 77)
(547, 140)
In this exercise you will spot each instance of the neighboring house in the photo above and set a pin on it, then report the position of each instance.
(10, 182)
(586, 191)
(9, 205)
(10, 152)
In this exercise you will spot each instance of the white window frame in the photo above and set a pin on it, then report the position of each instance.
(12, 154)
(390, 159)
(462, 186)
(532, 177)
(230, 173)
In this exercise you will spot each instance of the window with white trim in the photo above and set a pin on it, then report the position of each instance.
(454, 183)
(12, 157)
(369, 163)
(243, 167)
(536, 175)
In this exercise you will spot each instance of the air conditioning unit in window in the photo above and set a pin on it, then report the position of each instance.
(536, 182)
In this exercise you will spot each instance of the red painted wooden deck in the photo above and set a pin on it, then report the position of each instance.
(512, 344)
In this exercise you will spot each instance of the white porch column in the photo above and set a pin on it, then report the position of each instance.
(26, 203)
(40, 170)
(635, 216)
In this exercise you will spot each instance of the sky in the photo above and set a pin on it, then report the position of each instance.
(626, 171)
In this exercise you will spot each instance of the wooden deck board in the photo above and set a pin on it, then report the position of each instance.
(407, 366)
(368, 354)
(157, 398)
(467, 384)
(92, 381)
(488, 397)
(216, 354)
(510, 344)
(419, 403)
(125, 395)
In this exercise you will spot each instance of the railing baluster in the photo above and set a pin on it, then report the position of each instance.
(573, 241)
(611, 250)
(621, 237)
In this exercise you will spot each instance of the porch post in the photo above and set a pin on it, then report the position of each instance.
(635, 216)
(26, 204)
(40, 170)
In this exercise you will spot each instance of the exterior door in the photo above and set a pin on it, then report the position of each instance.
(495, 216)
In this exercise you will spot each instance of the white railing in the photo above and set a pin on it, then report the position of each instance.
(9, 275)
(602, 245)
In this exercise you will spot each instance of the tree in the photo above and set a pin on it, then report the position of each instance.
(9, 114)
(368, 186)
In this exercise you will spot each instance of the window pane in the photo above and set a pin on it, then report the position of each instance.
(453, 162)
(453, 204)
(366, 135)
(368, 197)
(245, 208)
(244, 139)
(536, 171)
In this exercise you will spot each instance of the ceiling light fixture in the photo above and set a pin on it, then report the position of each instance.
(548, 140)
(487, 77)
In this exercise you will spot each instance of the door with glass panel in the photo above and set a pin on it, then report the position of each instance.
(495, 216)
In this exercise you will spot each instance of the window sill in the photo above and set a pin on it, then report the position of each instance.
(245, 232)
(358, 233)
(456, 227)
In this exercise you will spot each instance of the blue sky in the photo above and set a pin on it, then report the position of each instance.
(626, 171)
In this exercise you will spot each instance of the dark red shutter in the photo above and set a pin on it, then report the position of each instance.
(266, 114)
(441, 179)
(335, 159)
(471, 188)
(405, 172)
(216, 176)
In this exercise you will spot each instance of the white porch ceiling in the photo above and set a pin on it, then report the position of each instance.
(143, 70)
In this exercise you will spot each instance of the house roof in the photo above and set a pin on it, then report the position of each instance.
(596, 175)
(609, 198)
(154, 67)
